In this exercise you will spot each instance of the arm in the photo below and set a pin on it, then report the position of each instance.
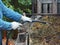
(5, 25)
(10, 13)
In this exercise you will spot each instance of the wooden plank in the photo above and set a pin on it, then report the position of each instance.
(46, 1)
(44, 6)
(42, 14)
(50, 8)
(48, 14)
(38, 6)
(54, 6)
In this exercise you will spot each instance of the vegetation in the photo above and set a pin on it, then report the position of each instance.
(19, 5)
(46, 34)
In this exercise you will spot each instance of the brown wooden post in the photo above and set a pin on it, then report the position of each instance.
(34, 6)
(39, 6)
(54, 6)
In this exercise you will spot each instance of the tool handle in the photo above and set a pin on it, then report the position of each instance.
(35, 21)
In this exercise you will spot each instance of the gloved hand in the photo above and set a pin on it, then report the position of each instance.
(16, 25)
(24, 18)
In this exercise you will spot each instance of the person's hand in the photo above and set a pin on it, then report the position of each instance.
(24, 18)
(15, 25)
